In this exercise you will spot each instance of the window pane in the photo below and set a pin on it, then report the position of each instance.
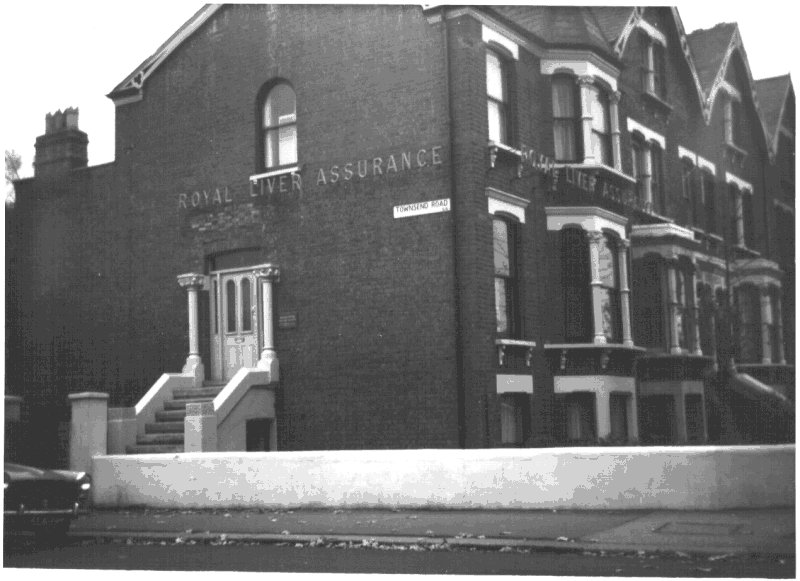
(619, 417)
(563, 97)
(510, 419)
(494, 77)
(599, 108)
(565, 143)
(502, 260)
(501, 305)
(497, 124)
(280, 106)
(608, 261)
(247, 320)
(271, 148)
(601, 149)
(230, 297)
(287, 144)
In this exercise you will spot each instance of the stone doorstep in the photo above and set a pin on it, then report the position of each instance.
(457, 542)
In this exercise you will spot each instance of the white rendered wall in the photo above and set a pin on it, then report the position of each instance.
(703, 477)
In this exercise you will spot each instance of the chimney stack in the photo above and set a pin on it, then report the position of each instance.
(62, 147)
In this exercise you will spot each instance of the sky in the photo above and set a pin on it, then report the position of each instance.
(71, 54)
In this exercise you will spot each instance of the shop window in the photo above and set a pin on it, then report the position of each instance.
(566, 120)
(506, 277)
(497, 97)
(513, 413)
(601, 126)
(609, 288)
(575, 285)
(279, 127)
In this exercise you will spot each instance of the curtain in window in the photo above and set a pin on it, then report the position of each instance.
(565, 119)
(280, 127)
(609, 289)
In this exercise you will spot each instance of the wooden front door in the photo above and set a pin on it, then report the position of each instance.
(234, 316)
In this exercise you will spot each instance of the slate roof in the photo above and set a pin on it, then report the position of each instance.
(771, 98)
(709, 48)
(569, 26)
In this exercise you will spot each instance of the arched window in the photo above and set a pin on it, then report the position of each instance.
(279, 127)
(566, 120)
(497, 97)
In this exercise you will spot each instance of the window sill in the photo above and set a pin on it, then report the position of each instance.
(276, 172)
(598, 167)
(746, 250)
(503, 344)
(653, 98)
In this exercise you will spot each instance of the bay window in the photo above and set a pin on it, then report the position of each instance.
(566, 120)
(609, 288)
(575, 284)
(601, 125)
(585, 126)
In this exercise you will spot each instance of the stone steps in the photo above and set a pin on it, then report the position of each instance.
(165, 435)
(157, 427)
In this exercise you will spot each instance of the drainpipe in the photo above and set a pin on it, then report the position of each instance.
(460, 388)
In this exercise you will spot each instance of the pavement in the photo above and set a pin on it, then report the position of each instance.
(715, 534)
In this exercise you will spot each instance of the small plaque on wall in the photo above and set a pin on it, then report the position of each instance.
(287, 321)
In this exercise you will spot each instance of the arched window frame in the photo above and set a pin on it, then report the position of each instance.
(284, 127)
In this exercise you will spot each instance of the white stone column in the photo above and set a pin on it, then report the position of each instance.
(586, 84)
(739, 209)
(594, 261)
(624, 292)
(88, 432)
(647, 176)
(674, 323)
(602, 400)
(121, 429)
(695, 306)
(766, 323)
(193, 282)
(616, 143)
(269, 358)
(781, 351)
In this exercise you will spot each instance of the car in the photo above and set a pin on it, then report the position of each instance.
(41, 502)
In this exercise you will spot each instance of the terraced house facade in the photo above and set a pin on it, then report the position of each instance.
(397, 227)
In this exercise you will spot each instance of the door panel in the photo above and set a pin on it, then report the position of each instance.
(235, 323)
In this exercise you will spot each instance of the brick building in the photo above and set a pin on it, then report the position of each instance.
(447, 227)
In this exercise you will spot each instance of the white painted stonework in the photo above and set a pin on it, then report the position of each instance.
(703, 477)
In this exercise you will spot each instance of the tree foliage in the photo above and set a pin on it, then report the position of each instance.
(13, 163)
